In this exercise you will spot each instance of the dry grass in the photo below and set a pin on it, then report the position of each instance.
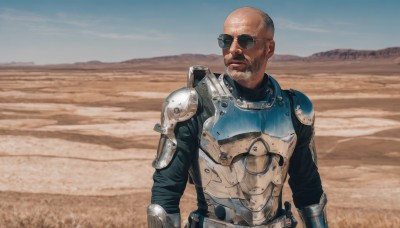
(361, 217)
(44, 210)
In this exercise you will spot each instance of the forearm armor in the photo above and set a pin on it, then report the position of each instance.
(157, 217)
(314, 216)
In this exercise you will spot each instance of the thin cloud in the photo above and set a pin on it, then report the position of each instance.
(342, 23)
(65, 24)
(291, 25)
(12, 15)
(75, 20)
(119, 36)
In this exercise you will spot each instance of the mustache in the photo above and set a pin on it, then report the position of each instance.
(239, 57)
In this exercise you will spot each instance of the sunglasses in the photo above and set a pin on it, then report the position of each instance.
(245, 41)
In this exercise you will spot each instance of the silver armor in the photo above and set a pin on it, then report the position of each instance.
(314, 216)
(158, 218)
(303, 108)
(244, 155)
(304, 112)
(179, 106)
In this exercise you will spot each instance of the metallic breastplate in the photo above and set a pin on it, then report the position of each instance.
(244, 155)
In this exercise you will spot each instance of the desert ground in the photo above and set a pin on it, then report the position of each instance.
(76, 145)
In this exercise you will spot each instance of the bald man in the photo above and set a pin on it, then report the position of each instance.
(236, 136)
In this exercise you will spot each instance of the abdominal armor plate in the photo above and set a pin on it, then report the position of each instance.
(244, 159)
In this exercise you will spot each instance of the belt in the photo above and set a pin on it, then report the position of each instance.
(279, 222)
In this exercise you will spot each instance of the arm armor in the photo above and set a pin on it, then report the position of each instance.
(157, 217)
(303, 108)
(179, 106)
(314, 216)
(304, 112)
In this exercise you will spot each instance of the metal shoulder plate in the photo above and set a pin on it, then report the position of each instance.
(157, 217)
(315, 215)
(303, 107)
(179, 106)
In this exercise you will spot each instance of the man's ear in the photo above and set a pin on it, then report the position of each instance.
(271, 48)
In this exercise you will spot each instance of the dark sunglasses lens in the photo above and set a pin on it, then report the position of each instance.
(246, 41)
(225, 41)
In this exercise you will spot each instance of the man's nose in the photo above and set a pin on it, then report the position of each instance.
(235, 47)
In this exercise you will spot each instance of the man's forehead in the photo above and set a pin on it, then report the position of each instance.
(243, 22)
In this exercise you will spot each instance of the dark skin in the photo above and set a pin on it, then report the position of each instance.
(247, 66)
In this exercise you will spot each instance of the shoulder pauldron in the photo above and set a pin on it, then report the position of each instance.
(303, 107)
(179, 106)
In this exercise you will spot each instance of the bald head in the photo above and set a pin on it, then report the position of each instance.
(255, 15)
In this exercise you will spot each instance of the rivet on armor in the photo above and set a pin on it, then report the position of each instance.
(222, 113)
(176, 110)
(220, 212)
(223, 156)
(206, 170)
(254, 148)
(224, 104)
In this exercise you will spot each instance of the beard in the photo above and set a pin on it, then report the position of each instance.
(248, 74)
(239, 75)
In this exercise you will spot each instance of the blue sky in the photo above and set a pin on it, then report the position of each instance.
(61, 31)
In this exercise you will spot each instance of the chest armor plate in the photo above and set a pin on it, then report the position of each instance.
(244, 155)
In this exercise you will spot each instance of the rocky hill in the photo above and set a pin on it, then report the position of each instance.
(351, 54)
(176, 58)
(332, 55)
(17, 64)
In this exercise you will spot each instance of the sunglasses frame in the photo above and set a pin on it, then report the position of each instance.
(240, 39)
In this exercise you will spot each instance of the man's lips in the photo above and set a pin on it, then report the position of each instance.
(236, 63)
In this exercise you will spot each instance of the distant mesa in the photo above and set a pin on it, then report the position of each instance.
(331, 55)
(211, 58)
(283, 58)
(17, 64)
(389, 55)
(176, 58)
(92, 62)
(351, 54)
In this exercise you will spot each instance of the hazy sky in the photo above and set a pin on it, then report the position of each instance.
(67, 31)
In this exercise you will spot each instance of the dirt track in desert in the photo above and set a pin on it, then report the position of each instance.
(76, 145)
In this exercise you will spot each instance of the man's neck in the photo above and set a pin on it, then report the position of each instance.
(253, 84)
(250, 94)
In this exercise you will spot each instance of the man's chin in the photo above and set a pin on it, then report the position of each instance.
(239, 75)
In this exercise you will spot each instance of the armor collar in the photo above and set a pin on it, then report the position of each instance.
(262, 92)
(270, 88)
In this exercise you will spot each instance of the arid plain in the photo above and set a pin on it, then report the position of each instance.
(76, 142)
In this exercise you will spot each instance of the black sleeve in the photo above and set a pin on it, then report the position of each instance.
(304, 180)
(170, 182)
